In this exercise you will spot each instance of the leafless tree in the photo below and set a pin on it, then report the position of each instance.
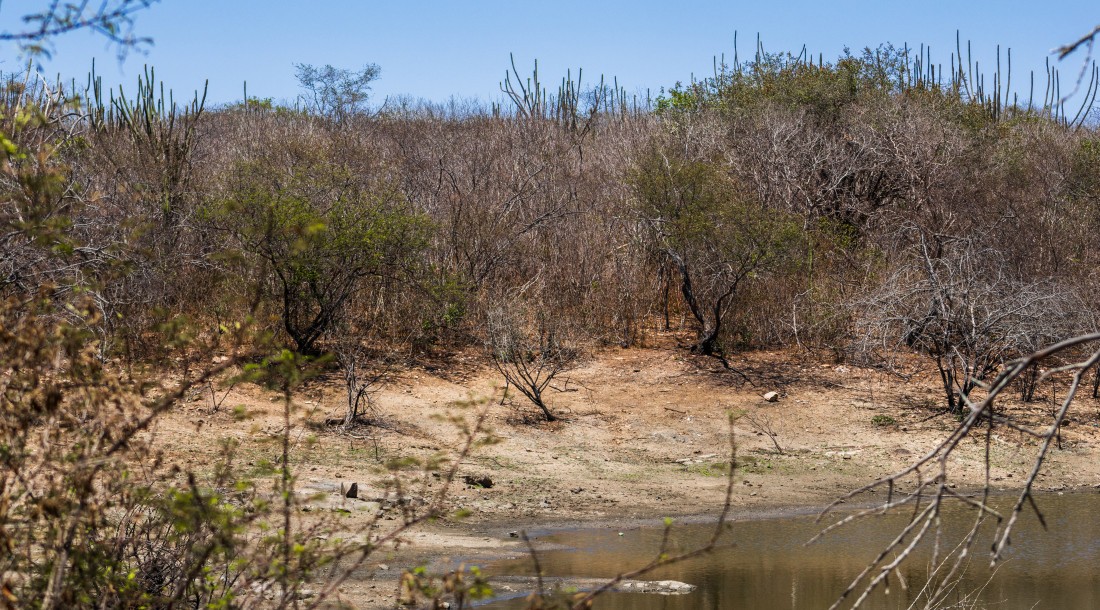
(529, 347)
(337, 93)
(363, 368)
(956, 302)
(761, 423)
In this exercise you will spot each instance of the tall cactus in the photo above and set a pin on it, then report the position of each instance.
(162, 130)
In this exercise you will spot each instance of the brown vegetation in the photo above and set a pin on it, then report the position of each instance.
(855, 210)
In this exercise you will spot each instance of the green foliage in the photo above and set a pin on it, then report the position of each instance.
(257, 104)
(698, 213)
(792, 82)
(82, 521)
(825, 90)
(708, 228)
(1084, 177)
(753, 465)
(322, 235)
(713, 469)
(701, 216)
(883, 421)
(461, 586)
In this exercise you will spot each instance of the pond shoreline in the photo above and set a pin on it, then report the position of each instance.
(643, 434)
(775, 546)
(483, 544)
(751, 513)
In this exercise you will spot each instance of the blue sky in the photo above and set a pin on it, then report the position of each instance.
(438, 49)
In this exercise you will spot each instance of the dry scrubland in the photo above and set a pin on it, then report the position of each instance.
(337, 290)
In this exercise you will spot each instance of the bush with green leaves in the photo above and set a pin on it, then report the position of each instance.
(321, 234)
(793, 82)
(89, 515)
(92, 515)
(712, 232)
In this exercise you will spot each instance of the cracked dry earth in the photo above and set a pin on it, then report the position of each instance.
(644, 434)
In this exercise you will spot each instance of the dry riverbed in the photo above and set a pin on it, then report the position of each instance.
(644, 434)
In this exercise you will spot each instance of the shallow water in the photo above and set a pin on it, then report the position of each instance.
(768, 565)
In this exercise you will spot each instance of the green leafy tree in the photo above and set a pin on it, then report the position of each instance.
(793, 81)
(717, 237)
(323, 236)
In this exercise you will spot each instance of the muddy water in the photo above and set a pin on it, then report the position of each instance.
(768, 566)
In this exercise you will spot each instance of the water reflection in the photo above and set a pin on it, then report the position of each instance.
(768, 566)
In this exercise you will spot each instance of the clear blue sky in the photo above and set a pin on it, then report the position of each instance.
(438, 49)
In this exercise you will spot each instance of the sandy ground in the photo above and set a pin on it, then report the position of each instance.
(644, 434)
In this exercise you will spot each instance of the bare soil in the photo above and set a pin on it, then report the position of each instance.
(644, 434)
